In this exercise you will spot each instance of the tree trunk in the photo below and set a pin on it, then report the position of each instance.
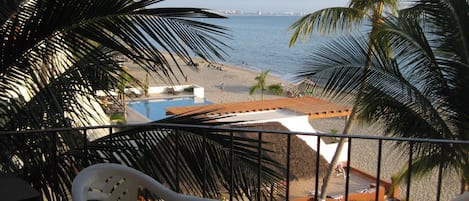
(124, 107)
(262, 93)
(464, 182)
(348, 125)
(335, 158)
(146, 85)
(377, 21)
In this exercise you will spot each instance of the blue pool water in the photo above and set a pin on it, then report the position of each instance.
(156, 109)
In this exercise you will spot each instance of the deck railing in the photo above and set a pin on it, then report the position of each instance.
(56, 135)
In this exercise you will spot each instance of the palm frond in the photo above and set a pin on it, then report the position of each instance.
(432, 73)
(396, 88)
(7, 9)
(449, 18)
(337, 67)
(187, 159)
(429, 160)
(199, 157)
(328, 20)
(253, 89)
(80, 46)
(275, 89)
(390, 6)
(56, 54)
(422, 78)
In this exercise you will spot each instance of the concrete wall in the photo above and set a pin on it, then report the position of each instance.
(354, 196)
(198, 91)
(301, 124)
(294, 123)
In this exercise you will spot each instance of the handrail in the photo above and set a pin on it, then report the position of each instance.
(230, 129)
(206, 129)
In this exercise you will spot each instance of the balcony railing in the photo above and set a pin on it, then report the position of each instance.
(51, 144)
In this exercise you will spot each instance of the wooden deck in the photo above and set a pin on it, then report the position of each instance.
(313, 107)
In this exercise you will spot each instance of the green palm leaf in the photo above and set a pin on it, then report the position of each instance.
(7, 9)
(260, 85)
(328, 20)
(56, 54)
(338, 19)
(153, 150)
(50, 161)
(336, 68)
(47, 39)
(423, 79)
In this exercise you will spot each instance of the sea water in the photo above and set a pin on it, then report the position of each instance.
(262, 42)
(156, 109)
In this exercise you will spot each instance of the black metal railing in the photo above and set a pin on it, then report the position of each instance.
(55, 136)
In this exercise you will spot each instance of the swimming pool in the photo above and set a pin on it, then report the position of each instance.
(156, 109)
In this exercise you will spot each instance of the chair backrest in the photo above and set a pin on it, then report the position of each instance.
(108, 181)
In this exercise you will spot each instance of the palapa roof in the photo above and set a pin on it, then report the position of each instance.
(302, 159)
(313, 107)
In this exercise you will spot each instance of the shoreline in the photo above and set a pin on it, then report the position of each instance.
(222, 83)
(258, 70)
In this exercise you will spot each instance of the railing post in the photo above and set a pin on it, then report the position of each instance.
(318, 157)
(110, 139)
(231, 166)
(204, 163)
(411, 147)
(440, 174)
(259, 166)
(110, 130)
(378, 171)
(347, 177)
(54, 157)
(287, 183)
(177, 141)
(85, 148)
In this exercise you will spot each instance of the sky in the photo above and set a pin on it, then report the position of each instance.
(304, 6)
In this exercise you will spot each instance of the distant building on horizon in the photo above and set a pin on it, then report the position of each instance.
(258, 13)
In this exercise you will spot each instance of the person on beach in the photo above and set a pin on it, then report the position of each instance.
(340, 170)
(222, 86)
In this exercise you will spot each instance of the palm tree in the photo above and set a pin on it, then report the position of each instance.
(330, 20)
(124, 79)
(424, 81)
(261, 85)
(74, 50)
(55, 55)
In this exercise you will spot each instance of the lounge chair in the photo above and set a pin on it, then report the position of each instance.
(108, 181)
(171, 90)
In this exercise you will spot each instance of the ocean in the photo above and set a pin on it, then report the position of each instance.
(262, 42)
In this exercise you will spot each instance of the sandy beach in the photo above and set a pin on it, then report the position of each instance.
(236, 82)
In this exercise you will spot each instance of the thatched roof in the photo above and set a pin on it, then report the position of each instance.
(302, 157)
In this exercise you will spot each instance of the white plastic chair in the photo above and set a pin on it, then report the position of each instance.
(108, 181)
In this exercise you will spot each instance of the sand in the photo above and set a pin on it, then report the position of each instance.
(236, 83)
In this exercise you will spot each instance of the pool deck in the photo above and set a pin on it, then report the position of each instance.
(134, 117)
(161, 96)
